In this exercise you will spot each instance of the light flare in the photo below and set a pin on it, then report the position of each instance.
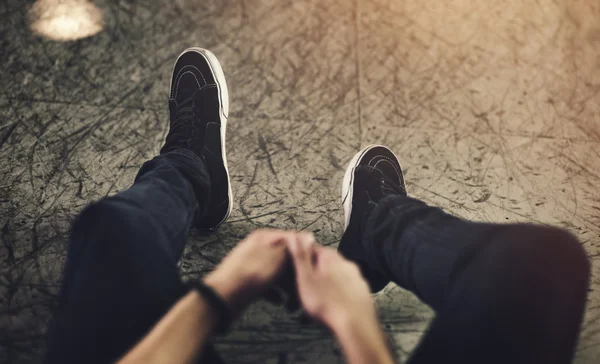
(65, 20)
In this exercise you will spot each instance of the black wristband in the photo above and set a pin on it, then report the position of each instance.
(216, 303)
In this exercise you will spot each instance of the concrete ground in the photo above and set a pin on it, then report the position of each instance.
(492, 106)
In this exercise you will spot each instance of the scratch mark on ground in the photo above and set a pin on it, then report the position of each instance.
(263, 146)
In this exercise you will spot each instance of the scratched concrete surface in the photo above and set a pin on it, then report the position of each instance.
(493, 108)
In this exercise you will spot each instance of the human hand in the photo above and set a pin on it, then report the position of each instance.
(331, 288)
(250, 267)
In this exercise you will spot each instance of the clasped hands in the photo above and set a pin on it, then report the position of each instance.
(330, 288)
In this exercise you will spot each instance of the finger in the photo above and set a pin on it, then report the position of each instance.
(324, 251)
(326, 257)
(319, 249)
(306, 238)
(297, 249)
(274, 237)
(300, 252)
(280, 238)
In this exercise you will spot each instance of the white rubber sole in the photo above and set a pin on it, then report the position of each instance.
(348, 182)
(219, 76)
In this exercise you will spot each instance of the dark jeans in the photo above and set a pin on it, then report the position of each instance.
(121, 272)
(503, 293)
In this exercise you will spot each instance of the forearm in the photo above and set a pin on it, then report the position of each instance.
(362, 340)
(179, 336)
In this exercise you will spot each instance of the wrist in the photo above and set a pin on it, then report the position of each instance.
(362, 339)
(343, 322)
(344, 318)
(227, 289)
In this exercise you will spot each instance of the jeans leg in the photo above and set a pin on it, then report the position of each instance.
(502, 293)
(121, 274)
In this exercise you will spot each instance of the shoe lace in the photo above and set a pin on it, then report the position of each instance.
(390, 187)
(180, 133)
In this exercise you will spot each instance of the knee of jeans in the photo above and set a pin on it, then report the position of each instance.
(103, 223)
(560, 247)
(545, 252)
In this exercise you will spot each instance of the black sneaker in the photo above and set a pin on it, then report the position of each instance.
(373, 173)
(199, 107)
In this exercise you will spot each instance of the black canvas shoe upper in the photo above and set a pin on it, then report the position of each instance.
(377, 174)
(195, 124)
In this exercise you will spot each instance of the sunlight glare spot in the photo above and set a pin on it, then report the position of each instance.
(65, 20)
